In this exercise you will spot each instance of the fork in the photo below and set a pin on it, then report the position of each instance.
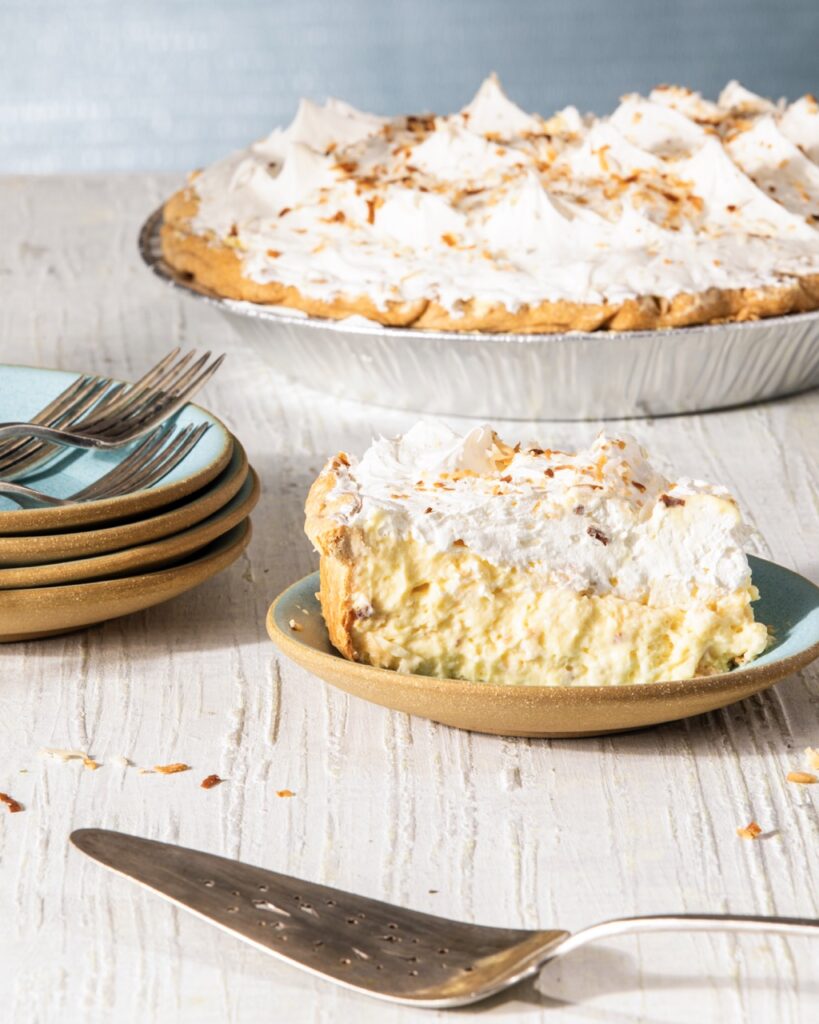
(123, 414)
(152, 459)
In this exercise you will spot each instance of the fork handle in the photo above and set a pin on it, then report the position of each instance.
(61, 437)
(21, 491)
(687, 923)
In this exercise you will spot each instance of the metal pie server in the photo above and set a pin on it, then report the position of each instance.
(372, 947)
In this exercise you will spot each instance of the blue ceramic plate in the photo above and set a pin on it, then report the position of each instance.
(788, 605)
(24, 391)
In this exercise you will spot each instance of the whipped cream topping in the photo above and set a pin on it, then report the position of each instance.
(602, 519)
(670, 194)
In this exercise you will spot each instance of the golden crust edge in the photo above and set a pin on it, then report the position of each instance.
(217, 267)
(334, 543)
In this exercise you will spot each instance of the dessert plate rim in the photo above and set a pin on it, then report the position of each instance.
(149, 556)
(64, 608)
(555, 710)
(43, 548)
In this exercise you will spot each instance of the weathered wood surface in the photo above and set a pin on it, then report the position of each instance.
(514, 832)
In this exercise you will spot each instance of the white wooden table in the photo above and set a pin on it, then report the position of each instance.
(513, 832)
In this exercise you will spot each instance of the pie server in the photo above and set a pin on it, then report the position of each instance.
(372, 947)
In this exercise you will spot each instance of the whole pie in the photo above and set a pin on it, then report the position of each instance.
(470, 558)
(674, 210)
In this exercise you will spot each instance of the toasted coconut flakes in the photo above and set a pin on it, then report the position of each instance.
(285, 792)
(802, 778)
(13, 805)
(172, 769)
(751, 831)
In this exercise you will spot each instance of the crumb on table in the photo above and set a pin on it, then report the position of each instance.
(13, 805)
(802, 778)
(751, 831)
(285, 792)
(172, 769)
(210, 782)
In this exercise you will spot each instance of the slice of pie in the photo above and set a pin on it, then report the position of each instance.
(463, 557)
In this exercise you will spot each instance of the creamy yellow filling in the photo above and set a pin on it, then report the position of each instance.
(456, 615)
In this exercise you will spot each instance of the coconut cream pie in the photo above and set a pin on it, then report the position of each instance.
(464, 557)
(673, 210)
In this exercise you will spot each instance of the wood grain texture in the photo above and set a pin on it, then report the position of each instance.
(520, 833)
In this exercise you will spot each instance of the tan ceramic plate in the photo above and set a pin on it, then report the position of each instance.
(42, 549)
(788, 604)
(24, 390)
(46, 611)
(155, 555)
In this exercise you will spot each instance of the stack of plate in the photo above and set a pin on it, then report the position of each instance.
(62, 568)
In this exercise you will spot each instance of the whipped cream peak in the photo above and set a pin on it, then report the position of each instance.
(736, 98)
(602, 518)
(671, 194)
(689, 103)
(800, 123)
(491, 112)
(333, 125)
(655, 128)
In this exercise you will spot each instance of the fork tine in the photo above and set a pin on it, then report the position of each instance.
(164, 372)
(142, 411)
(146, 465)
(165, 460)
(142, 468)
(132, 461)
(165, 408)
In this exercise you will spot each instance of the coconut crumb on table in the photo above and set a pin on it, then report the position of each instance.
(172, 769)
(66, 755)
(802, 778)
(13, 805)
(285, 792)
(210, 781)
(750, 831)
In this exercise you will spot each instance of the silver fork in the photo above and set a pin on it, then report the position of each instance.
(125, 413)
(381, 950)
(153, 458)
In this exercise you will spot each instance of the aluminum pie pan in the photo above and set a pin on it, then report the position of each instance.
(576, 375)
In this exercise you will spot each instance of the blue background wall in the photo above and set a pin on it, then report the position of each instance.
(139, 84)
